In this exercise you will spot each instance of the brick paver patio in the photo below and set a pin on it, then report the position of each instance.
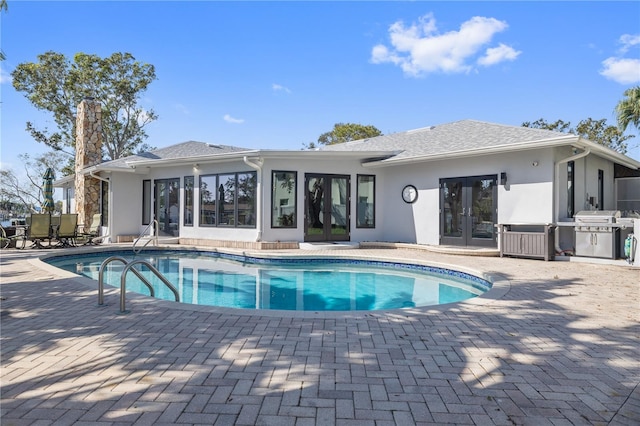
(557, 343)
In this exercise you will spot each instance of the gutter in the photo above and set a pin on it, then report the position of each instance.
(178, 161)
(93, 175)
(257, 165)
(280, 154)
(556, 178)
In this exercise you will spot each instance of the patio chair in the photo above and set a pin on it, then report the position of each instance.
(88, 235)
(38, 230)
(10, 239)
(67, 230)
(55, 224)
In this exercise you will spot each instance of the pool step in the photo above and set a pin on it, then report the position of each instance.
(345, 245)
(149, 240)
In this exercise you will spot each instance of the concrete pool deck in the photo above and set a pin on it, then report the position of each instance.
(556, 343)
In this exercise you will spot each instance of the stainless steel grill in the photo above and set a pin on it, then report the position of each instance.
(597, 216)
(596, 233)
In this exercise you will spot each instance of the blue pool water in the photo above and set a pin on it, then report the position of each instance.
(217, 279)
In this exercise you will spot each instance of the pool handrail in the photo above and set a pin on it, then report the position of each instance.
(156, 229)
(123, 281)
(104, 264)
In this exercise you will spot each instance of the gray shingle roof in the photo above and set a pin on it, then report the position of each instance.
(458, 136)
(181, 150)
(465, 137)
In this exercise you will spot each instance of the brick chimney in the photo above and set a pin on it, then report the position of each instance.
(88, 153)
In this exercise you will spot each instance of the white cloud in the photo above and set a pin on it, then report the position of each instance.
(279, 88)
(621, 70)
(628, 41)
(5, 77)
(420, 49)
(230, 119)
(495, 55)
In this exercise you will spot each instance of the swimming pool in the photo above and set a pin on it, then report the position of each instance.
(302, 284)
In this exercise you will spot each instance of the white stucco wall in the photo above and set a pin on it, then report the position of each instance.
(586, 186)
(125, 208)
(338, 167)
(528, 196)
(593, 164)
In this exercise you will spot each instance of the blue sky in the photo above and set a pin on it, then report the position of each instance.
(277, 75)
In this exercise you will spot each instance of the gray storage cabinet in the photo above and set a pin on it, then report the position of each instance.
(535, 241)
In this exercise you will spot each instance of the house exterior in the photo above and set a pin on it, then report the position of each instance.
(448, 184)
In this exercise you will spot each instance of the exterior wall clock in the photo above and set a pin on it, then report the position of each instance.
(409, 194)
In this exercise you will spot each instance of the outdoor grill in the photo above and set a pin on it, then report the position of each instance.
(597, 233)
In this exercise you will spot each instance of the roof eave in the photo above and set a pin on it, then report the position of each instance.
(64, 181)
(609, 154)
(361, 155)
(179, 161)
(281, 154)
(565, 140)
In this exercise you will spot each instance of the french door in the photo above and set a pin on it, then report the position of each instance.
(327, 201)
(167, 206)
(468, 211)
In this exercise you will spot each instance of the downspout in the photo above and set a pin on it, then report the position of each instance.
(257, 165)
(91, 173)
(574, 157)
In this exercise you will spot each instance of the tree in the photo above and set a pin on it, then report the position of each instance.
(3, 6)
(346, 132)
(628, 109)
(595, 130)
(557, 126)
(598, 131)
(27, 191)
(57, 85)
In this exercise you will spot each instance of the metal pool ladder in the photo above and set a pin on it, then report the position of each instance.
(123, 281)
(155, 225)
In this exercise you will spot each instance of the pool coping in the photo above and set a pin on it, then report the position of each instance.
(500, 286)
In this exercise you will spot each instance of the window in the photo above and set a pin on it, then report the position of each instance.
(366, 208)
(228, 200)
(146, 202)
(104, 207)
(600, 189)
(68, 195)
(208, 190)
(188, 200)
(283, 199)
(571, 188)
(246, 202)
